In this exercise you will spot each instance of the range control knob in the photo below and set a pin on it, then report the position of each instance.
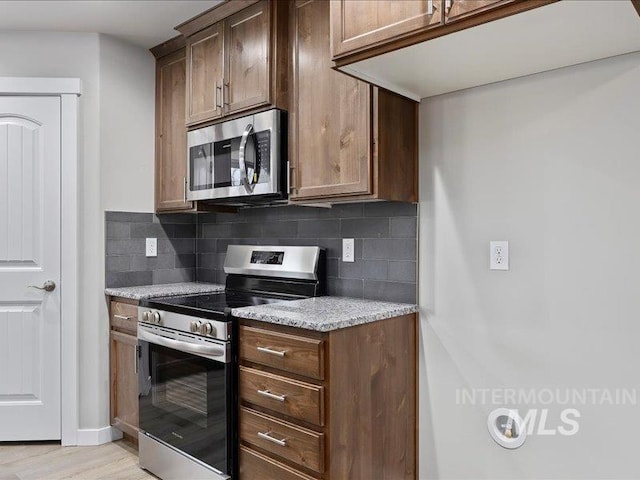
(206, 329)
(155, 317)
(145, 316)
(195, 327)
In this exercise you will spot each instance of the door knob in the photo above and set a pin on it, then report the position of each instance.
(48, 286)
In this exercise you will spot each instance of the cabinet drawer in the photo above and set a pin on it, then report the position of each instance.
(304, 356)
(299, 400)
(255, 466)
(124, 316)
(300, 445)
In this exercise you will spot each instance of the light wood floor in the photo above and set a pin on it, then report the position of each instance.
(50, 461)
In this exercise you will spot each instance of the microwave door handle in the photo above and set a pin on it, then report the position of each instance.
(243, 165)
(200, 350)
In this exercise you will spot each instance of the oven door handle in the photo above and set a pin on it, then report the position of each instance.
(213, 352)
(244, 177)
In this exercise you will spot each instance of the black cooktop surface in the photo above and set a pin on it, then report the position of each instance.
(210, 305)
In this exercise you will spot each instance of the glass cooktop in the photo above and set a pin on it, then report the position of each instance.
(209, 305)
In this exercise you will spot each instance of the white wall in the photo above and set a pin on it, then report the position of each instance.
(116, 148)
(551, 163)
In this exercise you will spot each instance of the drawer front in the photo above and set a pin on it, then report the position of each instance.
(300, 355)
(255, 466)
(299, 445)
(299, 400)
(124, 316)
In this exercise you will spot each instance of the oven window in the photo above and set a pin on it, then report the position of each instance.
(257, 160)
(185, 402)
(201, 167)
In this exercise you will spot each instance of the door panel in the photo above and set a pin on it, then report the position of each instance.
(29, 255)
(331, 127)
(247, 36)
(205, 69)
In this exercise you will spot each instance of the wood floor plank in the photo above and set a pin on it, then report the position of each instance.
(50, 461)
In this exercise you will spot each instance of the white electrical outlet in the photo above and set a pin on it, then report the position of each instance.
(348, 250)
(499, 255)
(152, 247)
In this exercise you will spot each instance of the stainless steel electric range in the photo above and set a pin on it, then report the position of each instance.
(188, 360)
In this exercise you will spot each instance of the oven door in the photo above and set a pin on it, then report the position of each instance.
(200, 166)
(185, 394)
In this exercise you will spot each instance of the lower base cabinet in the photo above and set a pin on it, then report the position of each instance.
(328, 406)
(123, 375)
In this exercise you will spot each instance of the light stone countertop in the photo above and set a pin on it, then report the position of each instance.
(165, 290)
(324, 314)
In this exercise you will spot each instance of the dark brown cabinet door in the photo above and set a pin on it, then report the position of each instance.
(331, 114)
(459, 9)
(171, 133)
(247, 53)
(124, 382)
(205, 71)
(359, 24)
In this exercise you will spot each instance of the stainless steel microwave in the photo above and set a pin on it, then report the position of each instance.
(239, 161)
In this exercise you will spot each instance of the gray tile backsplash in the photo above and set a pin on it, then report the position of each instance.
(385, 236)
(126, 263)
(193, 247)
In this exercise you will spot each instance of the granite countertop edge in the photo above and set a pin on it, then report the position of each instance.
(270, 314)
(163, 290)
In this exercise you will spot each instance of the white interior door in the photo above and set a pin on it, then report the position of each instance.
(29, 255)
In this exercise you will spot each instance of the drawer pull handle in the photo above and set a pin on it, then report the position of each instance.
(121, 317)
(273, 396)
(266, 436)
(277, 353)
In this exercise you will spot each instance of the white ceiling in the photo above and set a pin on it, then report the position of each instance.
(557, 35)
(145, 23)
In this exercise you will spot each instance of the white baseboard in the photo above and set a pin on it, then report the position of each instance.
(98, 436)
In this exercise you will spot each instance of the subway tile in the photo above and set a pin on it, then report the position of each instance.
(176, 245)
(403, 249)
(187, 230)
(214, 230)
(365, 269)
(230, 217)
(129, 217)
(117, 230)
(119, 263)
(206, 275)
(404, 227)
(344, 287)
(364, 228)
(402, 272)
(207, 245)
(390, 291)
(174, 275)
(221, 277)
(390, 209)
(280, 229)
(157, 230)
(262, 214)
(125, 247)
(245, 230)
(375, 248)
(347, 210)
(319, 228)
(209, 261)
(205, 218)
(127, 279)
(185, 260)
(333, 269)
(172, 218)
(142, 262)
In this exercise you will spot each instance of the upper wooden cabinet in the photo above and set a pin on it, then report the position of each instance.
(459, 9)
(171, 132)
(358, 24)
(362, 29)
(348, 140)
(237, 63)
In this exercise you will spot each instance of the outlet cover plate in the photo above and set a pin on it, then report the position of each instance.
(499, 255)
(348, 250)
(152, 247)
